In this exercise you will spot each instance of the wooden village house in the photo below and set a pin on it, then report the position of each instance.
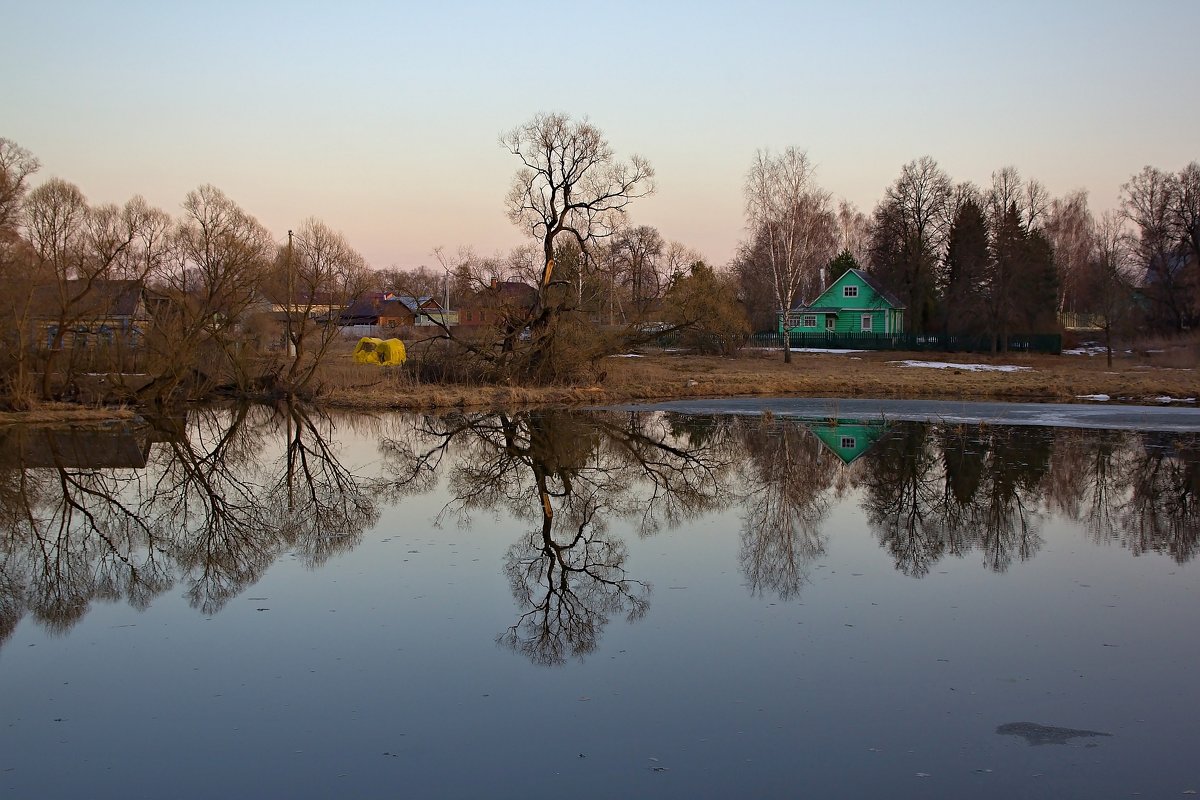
(854, 303)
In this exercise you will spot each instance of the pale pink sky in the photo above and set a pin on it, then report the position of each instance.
(382, 119)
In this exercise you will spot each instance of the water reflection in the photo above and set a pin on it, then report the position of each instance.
(787, 488)
(209, 505)
(568, 476)
(211, 509)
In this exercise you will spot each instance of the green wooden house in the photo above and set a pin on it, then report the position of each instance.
(854, 303)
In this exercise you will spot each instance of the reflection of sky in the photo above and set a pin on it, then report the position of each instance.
(382, 118)
(379, 674)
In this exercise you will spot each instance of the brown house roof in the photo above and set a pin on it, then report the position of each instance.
(81, 298)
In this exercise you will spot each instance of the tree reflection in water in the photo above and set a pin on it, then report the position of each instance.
(212, 504)
(567, 475)
(206, 510)
(788, 481)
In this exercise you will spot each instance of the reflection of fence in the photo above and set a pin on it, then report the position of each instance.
(946, 343)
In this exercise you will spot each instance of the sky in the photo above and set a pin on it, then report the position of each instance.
(383, 119)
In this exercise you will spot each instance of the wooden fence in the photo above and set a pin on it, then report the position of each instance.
(911, 342)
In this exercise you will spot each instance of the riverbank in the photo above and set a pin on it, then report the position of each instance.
(670, 376)
(1147, 379)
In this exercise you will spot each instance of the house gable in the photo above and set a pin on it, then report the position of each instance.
(854, 303)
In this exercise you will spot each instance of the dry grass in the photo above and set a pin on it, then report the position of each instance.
(54, 413)
(658, 376)
(1148, 373)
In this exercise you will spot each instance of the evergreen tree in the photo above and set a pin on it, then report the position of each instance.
(1037, 280)
(1001, 286)
(966, 269)
(841, 262)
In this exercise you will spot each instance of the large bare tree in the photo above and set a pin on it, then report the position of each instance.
(1147, 202)
(908, 237)
(222, 256)
(570, 182)
(792, 224)
(321, 275)
(1107, 278)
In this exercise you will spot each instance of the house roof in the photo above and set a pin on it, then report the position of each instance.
(81, 298)
(416, 304)
(877, 287)
(867, 279)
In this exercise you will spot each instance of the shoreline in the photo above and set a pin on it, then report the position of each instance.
(663, 377)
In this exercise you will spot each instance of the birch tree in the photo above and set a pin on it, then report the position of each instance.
(1070, 229)
(790, 218)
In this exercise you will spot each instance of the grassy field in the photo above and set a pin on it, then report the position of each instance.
(663, 375)
(1142, 376)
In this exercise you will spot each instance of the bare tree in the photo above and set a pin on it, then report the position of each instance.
(908, 237)
(1070, 229)
(1146, 201)
(1185, 211)
(221, 259)
(853, 232)
(639, 250)
(789, 215)
(16, 267)
(16, 165)
(570, 183)
(78, 250)
(1107, 278)
(323, 274)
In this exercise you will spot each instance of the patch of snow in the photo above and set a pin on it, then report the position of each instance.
(1099, 398)
(626, 355)
(831, 350)
(1086, 350)
(963, 367)
(1165, 399)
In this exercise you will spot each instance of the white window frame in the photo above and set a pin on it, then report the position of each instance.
(867, 323)
(850, 291)
(849, 442)
(808, 321)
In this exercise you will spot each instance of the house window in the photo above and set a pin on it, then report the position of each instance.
(830, 322)
(391, 323)
(849, 442)
(808, 321)
(866, 322)
(849, 291)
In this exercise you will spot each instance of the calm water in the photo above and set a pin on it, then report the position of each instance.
(619, 604)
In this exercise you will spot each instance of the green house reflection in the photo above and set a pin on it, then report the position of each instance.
(848, 439)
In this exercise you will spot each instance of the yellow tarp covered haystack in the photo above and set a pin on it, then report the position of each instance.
(381, 352)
